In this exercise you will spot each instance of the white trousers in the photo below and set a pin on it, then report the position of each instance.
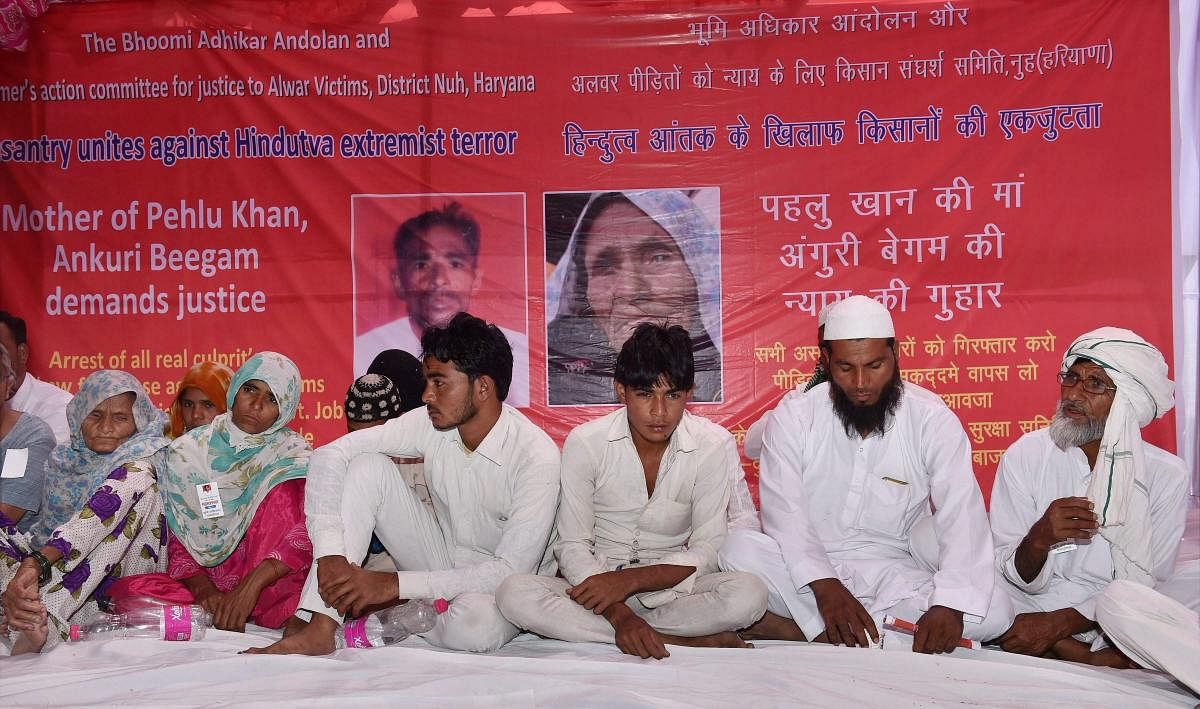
(377, 499)
(757, 553)
(718, 602)
(1153, 629)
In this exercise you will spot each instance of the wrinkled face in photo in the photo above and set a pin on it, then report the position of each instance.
(635, 273)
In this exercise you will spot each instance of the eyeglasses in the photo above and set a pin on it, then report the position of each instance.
(1092, 385)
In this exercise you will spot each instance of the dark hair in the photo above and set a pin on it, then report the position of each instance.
(16, 326)
(451, 216)
(404, 371)
(656, 353)
(475, 347)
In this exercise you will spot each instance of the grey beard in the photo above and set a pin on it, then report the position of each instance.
(1067, 434)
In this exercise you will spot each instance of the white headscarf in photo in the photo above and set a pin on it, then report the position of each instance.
(694, 234)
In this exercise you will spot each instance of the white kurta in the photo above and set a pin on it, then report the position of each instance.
(843, 507)
(495, 506)
(605, 518)
(1033, 473)
(742, 512)
(606, 521)
(47, 402)
(1158, 629)
(399, 335)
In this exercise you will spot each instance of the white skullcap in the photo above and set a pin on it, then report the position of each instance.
(824, 314)
(858, 317)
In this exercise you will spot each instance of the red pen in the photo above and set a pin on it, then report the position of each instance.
(899, 625)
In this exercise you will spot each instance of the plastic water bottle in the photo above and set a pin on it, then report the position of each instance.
(163, 622)
(391, 625)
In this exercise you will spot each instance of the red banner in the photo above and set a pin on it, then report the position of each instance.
(204, 182)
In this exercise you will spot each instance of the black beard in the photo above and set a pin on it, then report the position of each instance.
(465, 413)
(873, 418)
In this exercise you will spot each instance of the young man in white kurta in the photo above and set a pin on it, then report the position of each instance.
(608, 523)
(493, 501)
(857, 510)
(493, 512)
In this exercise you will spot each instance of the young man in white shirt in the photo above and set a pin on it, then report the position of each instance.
(645, 493)
(31, 395)
(493, 480)
(1086, 501)
(849, 474)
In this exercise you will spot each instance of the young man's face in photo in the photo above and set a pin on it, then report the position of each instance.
(436, 276)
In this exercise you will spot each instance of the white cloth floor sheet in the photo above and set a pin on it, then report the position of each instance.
(532, 672)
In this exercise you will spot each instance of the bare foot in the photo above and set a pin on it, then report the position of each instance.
(1071, 650)
(28, 641)
(293, 625)
(1110, 657)
(724, 639)
(316, 638)
(773, 627)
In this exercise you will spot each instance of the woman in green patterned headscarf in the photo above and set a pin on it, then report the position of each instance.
(234, 494)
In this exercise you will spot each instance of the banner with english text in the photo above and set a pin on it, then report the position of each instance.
(193, 181)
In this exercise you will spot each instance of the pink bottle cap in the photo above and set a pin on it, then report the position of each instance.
(441, 605)
(76, 632)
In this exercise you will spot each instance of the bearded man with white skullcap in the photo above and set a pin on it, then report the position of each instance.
(1086, 500)
(850, 474)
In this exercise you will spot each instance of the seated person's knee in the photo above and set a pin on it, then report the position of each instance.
(473, 624)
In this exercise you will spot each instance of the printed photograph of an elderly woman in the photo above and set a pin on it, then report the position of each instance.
(617, 259)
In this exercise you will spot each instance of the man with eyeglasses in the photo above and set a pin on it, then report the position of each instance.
(1086, 500)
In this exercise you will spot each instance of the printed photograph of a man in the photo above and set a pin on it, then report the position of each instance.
(420, 259)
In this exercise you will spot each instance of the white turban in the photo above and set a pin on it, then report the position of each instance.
(858, 317)
(1143, 394)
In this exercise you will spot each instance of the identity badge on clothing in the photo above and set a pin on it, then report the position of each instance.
(15, 460)
(210, 501)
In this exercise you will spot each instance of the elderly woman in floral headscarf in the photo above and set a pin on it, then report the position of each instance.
(101, 517)
(635, 256)
(234, 493)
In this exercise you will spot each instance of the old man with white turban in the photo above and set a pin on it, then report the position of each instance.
(851, 473)
(1086, 500)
